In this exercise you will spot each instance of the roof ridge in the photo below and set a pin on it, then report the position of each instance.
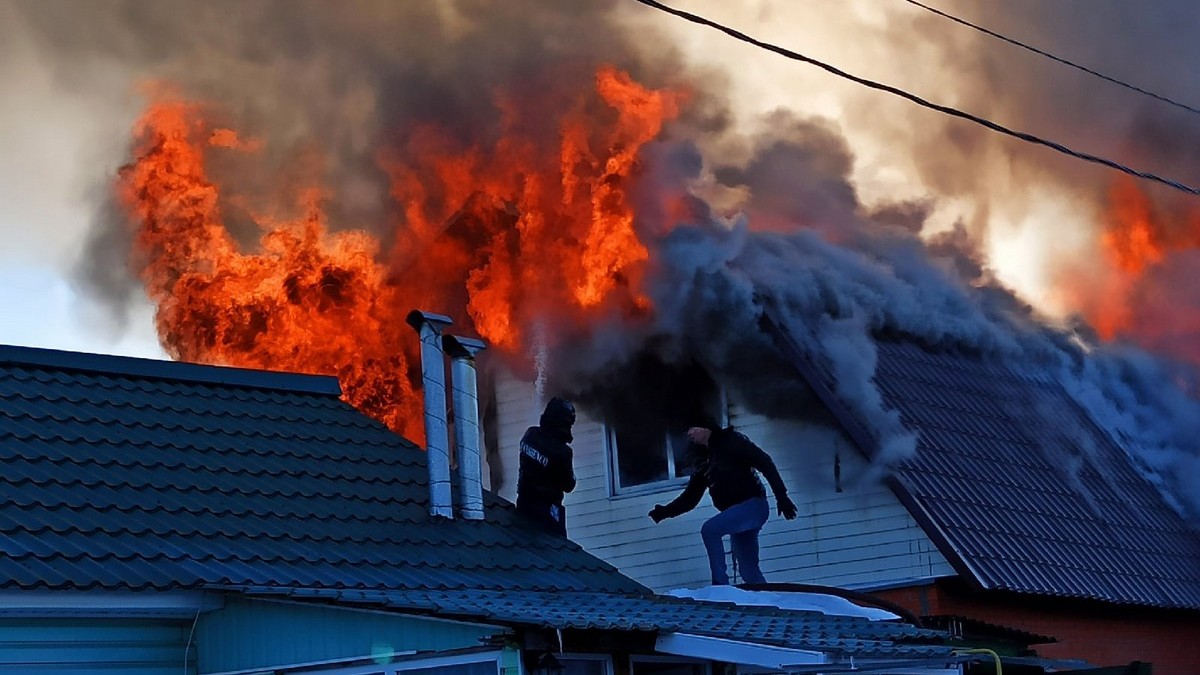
(129, 366)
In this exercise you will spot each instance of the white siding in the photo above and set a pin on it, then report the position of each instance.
(861, 536)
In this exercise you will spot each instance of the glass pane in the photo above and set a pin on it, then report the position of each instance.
(686, 457)
(641, 455)
(583, 666)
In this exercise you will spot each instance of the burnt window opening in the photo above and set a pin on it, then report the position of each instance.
(647, 428)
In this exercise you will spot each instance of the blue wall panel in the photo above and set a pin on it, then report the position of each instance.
(77, 646)
(252, 634)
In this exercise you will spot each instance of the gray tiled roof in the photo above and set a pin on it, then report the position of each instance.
(1019, 487)
(132, 474)
(613, 611)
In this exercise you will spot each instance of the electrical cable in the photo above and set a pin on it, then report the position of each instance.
(188, 649)
(1052, 57)
(947, 110)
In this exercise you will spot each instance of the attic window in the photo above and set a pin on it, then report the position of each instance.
(647, 443)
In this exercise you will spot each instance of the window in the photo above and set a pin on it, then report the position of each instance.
(666, 665)
(647, 434)
(589, 664)
(650, 453)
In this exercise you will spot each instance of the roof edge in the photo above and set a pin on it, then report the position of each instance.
(864, 441)
(169, 370)
(173, 604)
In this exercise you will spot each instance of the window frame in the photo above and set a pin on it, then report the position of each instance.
(613, 465)
(408, 662)
(706, 664)
(605, 659)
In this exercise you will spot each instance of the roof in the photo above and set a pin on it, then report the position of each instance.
(133, 474)
(974, 629)
(124, 473)
(849, 635)
(1020, 489)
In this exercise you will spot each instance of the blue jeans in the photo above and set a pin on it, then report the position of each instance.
(742, 523)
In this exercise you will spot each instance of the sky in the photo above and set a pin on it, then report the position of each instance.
(69, 98)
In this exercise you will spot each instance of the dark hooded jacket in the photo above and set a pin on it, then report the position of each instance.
(546, 464)
(727, 472)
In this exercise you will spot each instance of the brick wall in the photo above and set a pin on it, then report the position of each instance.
(1101, 634)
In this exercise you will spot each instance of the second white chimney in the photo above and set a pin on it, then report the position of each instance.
(465, 388)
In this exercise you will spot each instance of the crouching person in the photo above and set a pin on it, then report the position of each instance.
(726, 471)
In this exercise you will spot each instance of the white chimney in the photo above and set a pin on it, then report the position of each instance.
(462, 351)
(437, 436)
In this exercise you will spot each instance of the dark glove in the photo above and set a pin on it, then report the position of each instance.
(786, 508)
(657, 513)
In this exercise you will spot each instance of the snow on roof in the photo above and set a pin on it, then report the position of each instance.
(831, 605)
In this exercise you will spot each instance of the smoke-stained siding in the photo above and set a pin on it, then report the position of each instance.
(861, 536)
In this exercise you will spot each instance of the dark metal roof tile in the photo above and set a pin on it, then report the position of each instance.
(128, 480)
(1032, 494)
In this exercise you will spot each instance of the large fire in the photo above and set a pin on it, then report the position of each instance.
(505, 236)
(502, 236)
(1126, 296)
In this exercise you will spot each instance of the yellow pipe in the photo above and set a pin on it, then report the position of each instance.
(993, 654)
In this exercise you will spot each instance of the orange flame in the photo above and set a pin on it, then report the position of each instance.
(503, 235)
(1136, 242)
(1133, 240)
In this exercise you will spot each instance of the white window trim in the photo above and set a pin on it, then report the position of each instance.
(614, 470)
(617, 491)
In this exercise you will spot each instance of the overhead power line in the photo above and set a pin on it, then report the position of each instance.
(1052, 57)
(947, 110)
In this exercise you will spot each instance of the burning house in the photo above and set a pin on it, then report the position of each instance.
(983, 476)
(168, 517)
(569, 189)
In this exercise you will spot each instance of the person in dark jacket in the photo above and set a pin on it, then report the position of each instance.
(546, 467)
(726, 471)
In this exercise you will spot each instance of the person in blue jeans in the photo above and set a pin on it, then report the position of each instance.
(727, 471)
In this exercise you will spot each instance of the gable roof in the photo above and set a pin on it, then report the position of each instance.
(134, 474)
(1020, 489)
(124, 473)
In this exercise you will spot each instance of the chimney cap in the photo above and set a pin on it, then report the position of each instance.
(417, 317)
(462, 347)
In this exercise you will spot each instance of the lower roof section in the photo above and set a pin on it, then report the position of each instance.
(583, 610)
